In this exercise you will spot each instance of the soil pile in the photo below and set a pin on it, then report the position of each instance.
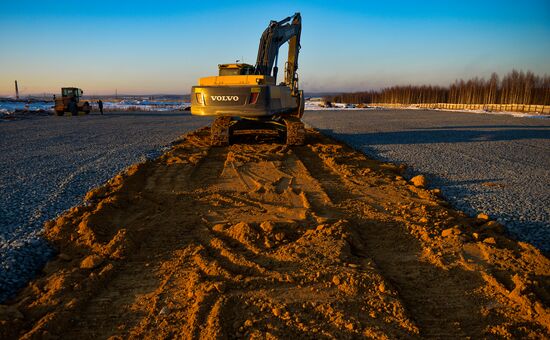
(265, 241)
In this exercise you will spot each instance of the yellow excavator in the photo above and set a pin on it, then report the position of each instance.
(247, 97)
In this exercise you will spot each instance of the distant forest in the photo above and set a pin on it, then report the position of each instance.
(514, 88)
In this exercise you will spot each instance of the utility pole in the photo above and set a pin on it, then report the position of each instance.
(116, 93)
(16, 90)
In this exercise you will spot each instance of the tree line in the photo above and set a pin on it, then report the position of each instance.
(516, 87)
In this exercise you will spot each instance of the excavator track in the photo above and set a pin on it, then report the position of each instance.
(219, 133)
(295, 131)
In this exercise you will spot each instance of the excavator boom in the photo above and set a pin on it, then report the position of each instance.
(274, 36)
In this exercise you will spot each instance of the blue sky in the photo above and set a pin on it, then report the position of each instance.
(165, 46)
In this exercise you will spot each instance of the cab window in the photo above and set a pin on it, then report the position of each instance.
(235, 71)
(229, 72)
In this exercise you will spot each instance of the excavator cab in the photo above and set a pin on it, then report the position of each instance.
(235, 69)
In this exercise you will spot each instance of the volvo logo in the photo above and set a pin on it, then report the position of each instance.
(224, 98)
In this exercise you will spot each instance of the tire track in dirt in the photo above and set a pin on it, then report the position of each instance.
(266, 241)
(453, 310)
(451, 292)
(131, 285)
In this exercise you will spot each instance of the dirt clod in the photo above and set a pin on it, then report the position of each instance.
(91, 262)
(490, 240)
(277, 311)
(419, 181)
(483, 217)
(336, 280)
(382, 287)
(447, 232)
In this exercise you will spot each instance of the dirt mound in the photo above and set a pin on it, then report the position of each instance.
(267, 241)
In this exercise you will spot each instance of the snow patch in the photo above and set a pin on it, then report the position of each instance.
(318, 105)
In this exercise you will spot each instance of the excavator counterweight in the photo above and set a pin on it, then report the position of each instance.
(243, 96)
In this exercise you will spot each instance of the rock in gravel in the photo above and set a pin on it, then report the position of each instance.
(419, 181)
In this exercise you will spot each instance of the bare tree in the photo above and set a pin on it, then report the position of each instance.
(516, 87)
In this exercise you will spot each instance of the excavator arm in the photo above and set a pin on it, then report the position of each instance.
(275, 35)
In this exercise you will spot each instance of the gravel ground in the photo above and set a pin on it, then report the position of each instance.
(47, 164)
(495, 164)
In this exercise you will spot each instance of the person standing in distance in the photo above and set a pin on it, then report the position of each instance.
(100, 104)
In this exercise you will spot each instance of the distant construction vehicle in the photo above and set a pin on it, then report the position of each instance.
(70, 102)
(246, 97)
